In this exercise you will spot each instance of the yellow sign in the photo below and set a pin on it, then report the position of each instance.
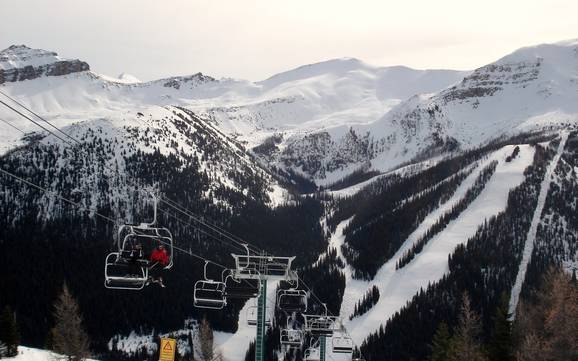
(168, 347)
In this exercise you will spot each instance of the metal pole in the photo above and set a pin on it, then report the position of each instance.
(322, 350)
(261, 318)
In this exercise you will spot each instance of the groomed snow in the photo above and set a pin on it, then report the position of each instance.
(531, 237)
(398, 287)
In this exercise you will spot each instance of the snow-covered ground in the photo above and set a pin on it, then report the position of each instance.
(34, 354)
(235, 345)
(399, 286)
(531, 237)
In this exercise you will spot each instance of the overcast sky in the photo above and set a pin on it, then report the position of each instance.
(256, 39)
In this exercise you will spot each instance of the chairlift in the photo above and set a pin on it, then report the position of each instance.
(127, 270)
(291, 338)
(256, 267)
(342, 344)
(241, 288)
(252, 312)
(209, 293)
(292, 300)
(313, 352)
(322, 325)
(118, 274)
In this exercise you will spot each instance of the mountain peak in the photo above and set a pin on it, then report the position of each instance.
(559, 52)
(338, 66)
(19, 56)
(19, 62)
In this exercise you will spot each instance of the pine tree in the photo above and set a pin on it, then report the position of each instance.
(68, 335)
(206, 337)
(441, 342)
(9, 333)
(465, 345)
(549, 328)
(500, 347)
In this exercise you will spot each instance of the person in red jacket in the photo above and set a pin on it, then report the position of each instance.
(160, 256)
(159, 259)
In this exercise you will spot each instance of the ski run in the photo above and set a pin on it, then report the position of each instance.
(531, 237)
(397, 287)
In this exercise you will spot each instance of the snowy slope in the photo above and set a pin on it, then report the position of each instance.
(333, 117)
(331, 96)
(33, 354)
(399, 286)
(531, 237)
(532, 88)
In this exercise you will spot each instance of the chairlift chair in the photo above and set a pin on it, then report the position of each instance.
(118, 274)
(291, 338)
(312, 354)
(292, 300)
(120, 268)
(256, 267)
(322, 325)
(342, 344)
(209, 293)
(241, 288)
(252, 317)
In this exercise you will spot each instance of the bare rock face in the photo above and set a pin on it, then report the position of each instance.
(19, 62)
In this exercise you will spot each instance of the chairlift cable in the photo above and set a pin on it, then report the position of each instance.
(31, 184)
(12, 125)
(33, 121)
(166, 200)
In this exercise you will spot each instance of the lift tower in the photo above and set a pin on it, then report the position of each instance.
(262, 268)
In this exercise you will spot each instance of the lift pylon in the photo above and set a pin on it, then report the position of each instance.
(262, 268)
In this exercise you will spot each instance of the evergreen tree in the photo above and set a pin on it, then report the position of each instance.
(206, 337)
(68, 335)
(465, 345)
(441, 343)
(500, 347)
(9, 334)
(549, 327)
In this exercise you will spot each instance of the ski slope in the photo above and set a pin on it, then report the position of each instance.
(531, 237)
(35, 354)
(234, 346)
(397, 287)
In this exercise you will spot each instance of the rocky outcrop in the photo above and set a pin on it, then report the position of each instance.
(19, 62)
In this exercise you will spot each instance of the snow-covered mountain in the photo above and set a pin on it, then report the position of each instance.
(435, 166)
(319, 101)
(327, 119)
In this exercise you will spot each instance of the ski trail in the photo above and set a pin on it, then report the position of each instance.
(531, 237)
(234, 346)
(355, 289)
(397, 287)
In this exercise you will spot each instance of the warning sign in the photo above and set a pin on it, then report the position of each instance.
(168, 346)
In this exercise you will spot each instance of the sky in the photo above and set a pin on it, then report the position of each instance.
(254, 39)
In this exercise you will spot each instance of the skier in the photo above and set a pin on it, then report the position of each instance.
(136, 254)
(159, 259)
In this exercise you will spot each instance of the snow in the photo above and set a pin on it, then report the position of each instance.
(330, 96)
(33, 354)
(531, 237)
(123, 78)
(397, 287)
(19, 56)
(234, 346)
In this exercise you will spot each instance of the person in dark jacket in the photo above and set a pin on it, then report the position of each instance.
(136, 254)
